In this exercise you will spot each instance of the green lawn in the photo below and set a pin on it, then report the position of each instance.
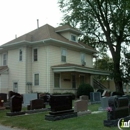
(38, 122)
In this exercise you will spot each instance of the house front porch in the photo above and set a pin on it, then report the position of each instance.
(68, 77)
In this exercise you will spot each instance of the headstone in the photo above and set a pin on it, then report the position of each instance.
(104, 103)
(28, 97)
(61, 107)
(95, 97)
(36, 104)
(16, 103)
(84, 97)
(105, 93)
(3, 96)
(45, 97)
(60, 102)
(1, 104)
(118, 108)
(80, 105)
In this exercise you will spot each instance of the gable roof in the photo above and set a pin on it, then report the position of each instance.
(47, 32)
(67, 28)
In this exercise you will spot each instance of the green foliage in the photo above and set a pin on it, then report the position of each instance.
(84, 89)
(105, 25)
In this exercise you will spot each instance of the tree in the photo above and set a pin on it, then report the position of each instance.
(106, 21)
(104, 63)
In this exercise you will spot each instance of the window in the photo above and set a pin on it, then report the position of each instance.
(73, 81)
(63, 55)
(15, 87)
(4, 59)
(36, 79)
(73, 38)
(57, 80)
(82, 57)
(35, 54)
(20, 54)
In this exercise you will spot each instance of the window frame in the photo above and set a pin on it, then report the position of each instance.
(63, 55)
(36, 83)
(73, 38)
(4, 60)
(83, 57)
(21, 55)
(35, 55)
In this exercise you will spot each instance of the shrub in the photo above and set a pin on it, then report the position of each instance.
(84, 89)
(69, 93)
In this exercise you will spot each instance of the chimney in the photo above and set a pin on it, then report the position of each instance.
(15, 36)
(37, 23)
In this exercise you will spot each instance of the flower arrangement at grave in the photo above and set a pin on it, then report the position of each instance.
(109, 110)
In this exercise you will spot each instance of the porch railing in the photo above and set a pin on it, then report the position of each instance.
(98, 85)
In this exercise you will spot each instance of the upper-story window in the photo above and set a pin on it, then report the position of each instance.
(73, 38)
(20, 54)
(35, 54)
(5, 59)
(63, 55)
(83, 59)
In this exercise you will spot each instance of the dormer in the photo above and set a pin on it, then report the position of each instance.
(68, 32)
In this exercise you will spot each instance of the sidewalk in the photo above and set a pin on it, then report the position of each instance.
(7, 128)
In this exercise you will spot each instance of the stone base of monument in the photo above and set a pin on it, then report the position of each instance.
(14, 113)
(60, 115)
(2, 108)
(110, 123)
(36, 111)
(81, 113)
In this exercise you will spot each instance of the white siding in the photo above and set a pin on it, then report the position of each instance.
(17, 69)
(40, 67)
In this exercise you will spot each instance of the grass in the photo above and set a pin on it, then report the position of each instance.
(37, 121)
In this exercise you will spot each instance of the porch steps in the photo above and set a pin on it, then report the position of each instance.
(98, 85)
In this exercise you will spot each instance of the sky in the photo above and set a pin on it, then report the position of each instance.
(18, 17)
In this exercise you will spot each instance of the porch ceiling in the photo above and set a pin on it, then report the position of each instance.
(78, 68)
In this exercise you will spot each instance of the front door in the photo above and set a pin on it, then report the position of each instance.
(15, 87)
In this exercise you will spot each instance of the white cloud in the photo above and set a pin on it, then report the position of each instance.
(20, 16)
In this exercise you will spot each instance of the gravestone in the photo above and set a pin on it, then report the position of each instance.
(81, 106)
(105, 93)
(28, 97)
(16, 103)
(45, 97)
(61, 108)
(104, 103)
(95, 97)
(118, 108)
(36, 104)
(1, 104)
(3, 97)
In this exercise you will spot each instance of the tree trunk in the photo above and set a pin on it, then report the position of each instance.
(117, 76)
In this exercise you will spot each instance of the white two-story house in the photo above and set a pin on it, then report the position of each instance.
(47, 59)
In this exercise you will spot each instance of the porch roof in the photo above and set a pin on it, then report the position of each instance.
(78, 68)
